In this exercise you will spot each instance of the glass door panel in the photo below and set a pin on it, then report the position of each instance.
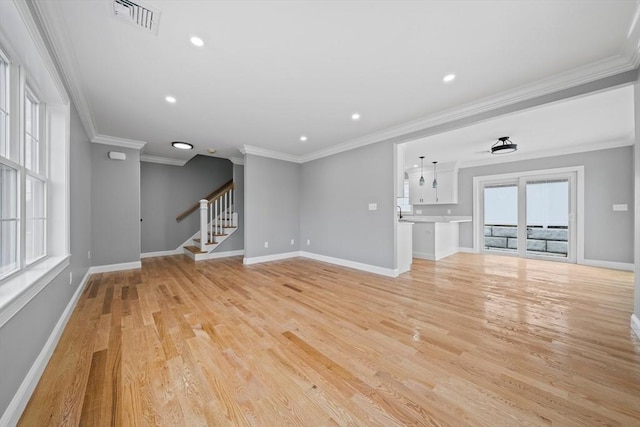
(547, 217)
(501, 217)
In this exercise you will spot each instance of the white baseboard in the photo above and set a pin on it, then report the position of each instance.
(331, 260)
(162, 253)
(214, 255)
(627, 266)
(466, 250)
(389, 272)
(267, 258)
(635, 325)
(424, 255)
(15, 408)
(115, 267)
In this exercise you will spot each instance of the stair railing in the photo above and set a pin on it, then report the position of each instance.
(216, 214)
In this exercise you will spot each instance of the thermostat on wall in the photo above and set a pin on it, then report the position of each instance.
(116, 155)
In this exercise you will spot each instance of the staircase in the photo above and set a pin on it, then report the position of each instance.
(218, 221)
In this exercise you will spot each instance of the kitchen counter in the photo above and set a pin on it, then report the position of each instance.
(443, 219)
(435, 237)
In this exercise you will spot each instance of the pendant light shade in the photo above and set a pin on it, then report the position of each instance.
(421, 182)
(503, 146)
(434, 184)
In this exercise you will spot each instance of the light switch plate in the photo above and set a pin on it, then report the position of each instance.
(418, 211)
(373, 206)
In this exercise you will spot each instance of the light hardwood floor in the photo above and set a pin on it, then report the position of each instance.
(469, 340)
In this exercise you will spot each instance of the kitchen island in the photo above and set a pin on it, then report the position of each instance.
(435, 237)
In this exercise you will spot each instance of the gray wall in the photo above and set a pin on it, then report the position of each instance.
(166, 191)
(608, 180)
(24, 335)
(115, 206)
(272, 214)
(336, 192)
(636, 156)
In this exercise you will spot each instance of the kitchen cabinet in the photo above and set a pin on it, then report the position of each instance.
(447, 191)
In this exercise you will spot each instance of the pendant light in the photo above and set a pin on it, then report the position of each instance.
(435, 176)
(421, 182)
(503, 145)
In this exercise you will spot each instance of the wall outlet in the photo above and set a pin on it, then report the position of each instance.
(293, 241)
(266, 244)
(621, 208)
(308, 242)
(373, 206)
(71, 277)
(418, 211)
(89, 254)
(448, 211)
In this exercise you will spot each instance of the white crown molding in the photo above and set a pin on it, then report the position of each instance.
(628, 59)
(592, 72)
(237, 160)
(598, 70)
(263, 152)
(39, 39)
(632, 46)
(162, 160)
(118, 142)
(53, 28)
(542, 154)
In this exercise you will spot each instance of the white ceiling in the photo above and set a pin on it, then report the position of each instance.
(271, 71)
(600, 120)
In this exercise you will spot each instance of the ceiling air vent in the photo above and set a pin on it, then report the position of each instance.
(137, 14)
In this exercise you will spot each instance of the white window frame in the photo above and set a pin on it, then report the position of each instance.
(39, 174)
(577, 210)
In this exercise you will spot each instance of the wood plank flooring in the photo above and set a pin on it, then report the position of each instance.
(476, 340)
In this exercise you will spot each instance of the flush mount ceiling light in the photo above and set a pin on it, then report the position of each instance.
(449, 78)
(196, 41)
(355, 116)
(503, 146)
(182, 145)
(170, 99)
(303, 138)
(421, 182)
(212, 150)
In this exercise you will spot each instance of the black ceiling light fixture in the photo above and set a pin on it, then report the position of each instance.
(503, 146)
(421, 182)
(182, 145)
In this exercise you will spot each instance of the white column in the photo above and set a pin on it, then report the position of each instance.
(203, 223)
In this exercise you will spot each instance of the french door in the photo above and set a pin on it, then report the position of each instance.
(530, 216)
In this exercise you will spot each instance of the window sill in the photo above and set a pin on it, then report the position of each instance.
(22, 287)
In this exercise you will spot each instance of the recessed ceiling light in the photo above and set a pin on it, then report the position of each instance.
(303, 138)
(197, 41)
(182, 145)
(170, 99)
(449, 78)
(355, 116)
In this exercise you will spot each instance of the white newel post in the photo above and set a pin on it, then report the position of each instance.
(204, 206)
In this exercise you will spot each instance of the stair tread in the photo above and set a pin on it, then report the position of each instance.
(195, 250)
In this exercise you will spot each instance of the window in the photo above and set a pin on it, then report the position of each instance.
(23, 179)
(403, 202)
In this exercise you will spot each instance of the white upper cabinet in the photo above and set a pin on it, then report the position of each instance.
(445, 194)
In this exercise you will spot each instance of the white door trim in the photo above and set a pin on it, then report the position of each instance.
(479, 181)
